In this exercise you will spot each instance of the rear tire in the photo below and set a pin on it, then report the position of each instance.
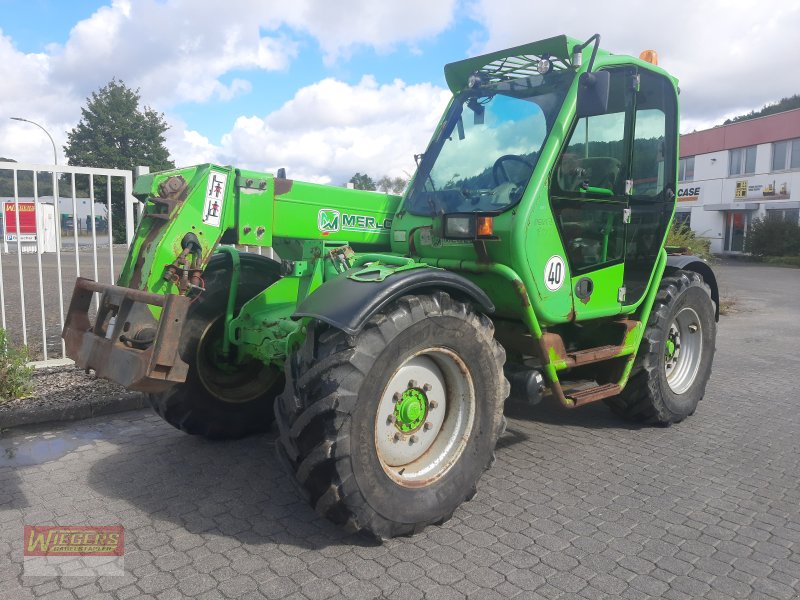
(217, 402)
(353, 403)
(674, 361)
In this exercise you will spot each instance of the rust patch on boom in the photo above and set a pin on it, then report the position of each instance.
(283, 186)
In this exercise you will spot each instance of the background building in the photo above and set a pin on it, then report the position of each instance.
(733, 173)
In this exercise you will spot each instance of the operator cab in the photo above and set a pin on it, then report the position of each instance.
(577, 163)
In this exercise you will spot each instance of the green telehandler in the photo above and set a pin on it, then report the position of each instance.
(384, 334)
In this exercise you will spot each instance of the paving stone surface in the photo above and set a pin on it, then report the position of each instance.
(578, 505)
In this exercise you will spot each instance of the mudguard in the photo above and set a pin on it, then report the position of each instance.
(347, 304)
(689, 262)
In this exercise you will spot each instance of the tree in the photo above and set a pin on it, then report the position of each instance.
(116, 133)
(781, 105)
(773, 236)
(392, 185)
(24, 182)
(362, 182)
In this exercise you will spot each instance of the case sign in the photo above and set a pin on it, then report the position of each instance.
(688, 194)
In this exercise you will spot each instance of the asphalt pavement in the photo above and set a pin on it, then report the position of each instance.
(72, 265)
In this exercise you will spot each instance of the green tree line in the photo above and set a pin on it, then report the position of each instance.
(390, 185)
(781, 105)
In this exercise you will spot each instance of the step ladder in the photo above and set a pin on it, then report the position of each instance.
(573, 396)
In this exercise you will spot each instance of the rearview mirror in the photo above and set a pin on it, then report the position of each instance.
(593, 93)
(478, 111)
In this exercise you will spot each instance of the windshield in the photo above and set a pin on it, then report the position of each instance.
(487, 149)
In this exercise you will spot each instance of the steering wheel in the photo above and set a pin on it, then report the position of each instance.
(499, 168)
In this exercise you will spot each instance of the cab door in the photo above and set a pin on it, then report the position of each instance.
(589, 199)
(651, 193)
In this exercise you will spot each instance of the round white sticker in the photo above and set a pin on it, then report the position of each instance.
(554, 273)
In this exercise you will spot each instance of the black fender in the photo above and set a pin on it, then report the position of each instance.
(266, 264)
(347, 304)
(689, 262)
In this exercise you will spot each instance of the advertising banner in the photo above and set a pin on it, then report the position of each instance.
(27, 221)
(761, 188)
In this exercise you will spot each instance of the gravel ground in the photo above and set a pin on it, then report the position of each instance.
(67, 393)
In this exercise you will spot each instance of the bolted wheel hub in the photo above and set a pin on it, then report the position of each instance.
(411, 410)
(683, 350)
(424, 417)
(672, 345)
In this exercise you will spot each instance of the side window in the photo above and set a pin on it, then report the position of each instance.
(595, 155)
(593, 236)
(653, 175)
(647, 169)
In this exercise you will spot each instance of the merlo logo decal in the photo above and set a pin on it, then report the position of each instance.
(328, 220)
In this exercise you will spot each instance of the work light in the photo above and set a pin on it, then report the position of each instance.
(469, 226)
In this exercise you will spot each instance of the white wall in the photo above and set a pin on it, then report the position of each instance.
(711, 186)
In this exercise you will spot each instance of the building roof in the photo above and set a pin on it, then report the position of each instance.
(761, 130)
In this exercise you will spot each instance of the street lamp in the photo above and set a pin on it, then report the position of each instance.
(55, 155)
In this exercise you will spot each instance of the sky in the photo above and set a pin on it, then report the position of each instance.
(327, 88)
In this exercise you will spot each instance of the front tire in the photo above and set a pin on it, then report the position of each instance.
(674, 361)
(218, 401)
(389, 430)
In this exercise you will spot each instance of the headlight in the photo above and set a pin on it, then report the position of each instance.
(469, 226)
(460, 226)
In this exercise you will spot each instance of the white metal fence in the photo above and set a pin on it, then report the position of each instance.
(37, 271)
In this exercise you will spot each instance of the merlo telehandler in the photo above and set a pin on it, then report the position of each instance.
(526, 259)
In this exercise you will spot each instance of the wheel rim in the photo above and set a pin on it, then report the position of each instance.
(425, 417)
(231, 383)
(683, 350)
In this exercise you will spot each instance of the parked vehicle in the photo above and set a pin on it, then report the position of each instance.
(525, 259)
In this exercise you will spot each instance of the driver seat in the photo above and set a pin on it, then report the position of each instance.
(601, 171)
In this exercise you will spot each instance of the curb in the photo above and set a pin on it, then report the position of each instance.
(35, 415)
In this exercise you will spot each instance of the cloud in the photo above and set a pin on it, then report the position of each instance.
(730, 56)
(175, 51)
(188, 51)
(189, 147)
(27, 93)
(340, 27)
(330, 130)
(194, 51)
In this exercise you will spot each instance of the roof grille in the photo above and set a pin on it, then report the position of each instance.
(518, 67)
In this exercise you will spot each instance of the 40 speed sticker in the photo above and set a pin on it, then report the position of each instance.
(554, 273)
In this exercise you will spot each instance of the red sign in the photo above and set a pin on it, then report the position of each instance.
(27, 221)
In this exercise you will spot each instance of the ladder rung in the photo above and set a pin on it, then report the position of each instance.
(593, 394)
(592, 355)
